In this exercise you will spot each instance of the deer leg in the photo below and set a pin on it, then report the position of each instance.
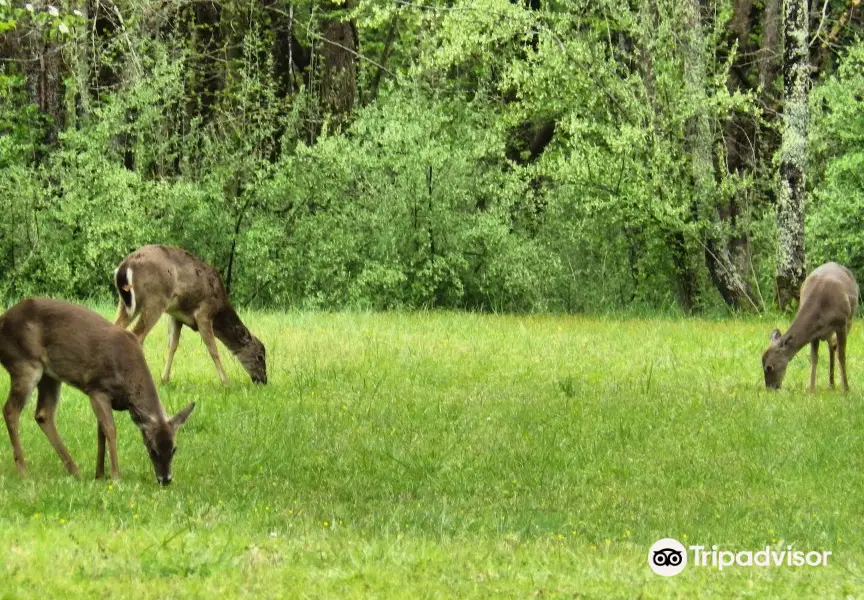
(205, 328)
(100, 453)
(841, 358)
(152, 308)
(832, 354)
(814, 360)
(23, 380)
(123, 317)
(174, 329)
(102, 407)
(46, 408)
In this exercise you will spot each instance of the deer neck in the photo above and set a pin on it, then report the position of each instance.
(145, 407)
(805, 327)
(230, 330)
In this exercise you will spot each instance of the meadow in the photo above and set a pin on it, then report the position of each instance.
(453, 455)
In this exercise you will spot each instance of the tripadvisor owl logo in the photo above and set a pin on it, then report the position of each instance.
(667, 557)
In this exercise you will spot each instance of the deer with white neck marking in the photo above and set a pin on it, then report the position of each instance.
(44, 343)
(158, 279)
(828, 301)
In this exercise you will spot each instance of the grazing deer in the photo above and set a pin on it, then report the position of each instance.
(829, 298)
(157, 279)
(44, 343)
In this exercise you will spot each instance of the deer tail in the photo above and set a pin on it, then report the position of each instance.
(123, 283)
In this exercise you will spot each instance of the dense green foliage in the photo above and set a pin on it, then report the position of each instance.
(837, 215)
(452, 455)
(490, 154)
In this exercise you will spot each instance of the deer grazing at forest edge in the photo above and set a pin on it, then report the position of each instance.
(44, 343)
(828, 301)
(157, 279)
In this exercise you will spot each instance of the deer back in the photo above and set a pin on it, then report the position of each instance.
(77, 346)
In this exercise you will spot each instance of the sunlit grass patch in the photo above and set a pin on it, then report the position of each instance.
(452, 454)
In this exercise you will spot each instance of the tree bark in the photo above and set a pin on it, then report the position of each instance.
(791, 192)
(698, 142)
(290, 58)
(339, 68)
(770, 61)
(727, 245)
(769, 50)
(208, 35)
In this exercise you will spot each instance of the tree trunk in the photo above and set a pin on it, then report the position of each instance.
(768, 59)
(339, 69)
(102, 26)
(727, 246)
(791, 193)
(43, 66)
(698, 142)
(392, 34)
(290, 58)
(208, 35)
(686, 280)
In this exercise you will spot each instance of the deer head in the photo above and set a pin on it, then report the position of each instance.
(159, 440)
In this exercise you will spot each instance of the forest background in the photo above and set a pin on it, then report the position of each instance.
(575, 156)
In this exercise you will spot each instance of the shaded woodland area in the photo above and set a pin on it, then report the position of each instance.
(492, 155)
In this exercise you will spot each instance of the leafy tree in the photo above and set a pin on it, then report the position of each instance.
(493, 155)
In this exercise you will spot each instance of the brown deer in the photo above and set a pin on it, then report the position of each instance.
(828, 301)
(157, 279)
(44, 343)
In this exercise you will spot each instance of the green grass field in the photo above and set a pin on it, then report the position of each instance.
(453, 455)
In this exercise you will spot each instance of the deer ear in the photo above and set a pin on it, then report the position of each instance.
(180, 418)
(776, 335)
